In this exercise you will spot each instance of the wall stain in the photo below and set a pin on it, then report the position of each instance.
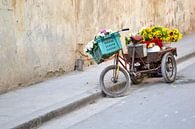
(14, 4)
(58, 72)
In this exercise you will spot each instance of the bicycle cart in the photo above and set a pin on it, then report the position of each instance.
(134, 66)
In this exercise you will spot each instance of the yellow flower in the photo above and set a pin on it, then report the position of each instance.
(170, 32)
(175, 31)
(142, 29)
(167, 39)
(154, 34)
(173, 39)
(150, 36)
(148, 30)
(180, 36)
(151, 45)
(158, 34)
(144, 34)
(162, 33)
(175, 36)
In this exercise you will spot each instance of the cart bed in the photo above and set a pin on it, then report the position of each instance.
(153, 56)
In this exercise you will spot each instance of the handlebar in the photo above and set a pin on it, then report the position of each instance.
(126, 29)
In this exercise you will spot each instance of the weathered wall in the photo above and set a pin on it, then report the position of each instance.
(38, 38)
(95, 14)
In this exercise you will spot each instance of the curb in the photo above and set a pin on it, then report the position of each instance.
(39, 117)
(185, 57)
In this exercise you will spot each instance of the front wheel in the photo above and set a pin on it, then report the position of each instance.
(112, 84)
(169, 68)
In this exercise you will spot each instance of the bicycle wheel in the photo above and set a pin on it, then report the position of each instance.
(112, 86)
(169, 68)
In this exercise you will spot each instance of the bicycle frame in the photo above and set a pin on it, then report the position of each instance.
(119, 60)
(123, 62)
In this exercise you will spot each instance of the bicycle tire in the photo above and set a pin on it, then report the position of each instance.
(164, 68)
(125, 85)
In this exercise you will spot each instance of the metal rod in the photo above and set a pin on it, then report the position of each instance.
(133, 58)
(149, 70)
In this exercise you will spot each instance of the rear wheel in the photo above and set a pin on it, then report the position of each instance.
(114, 85)
(168, 67)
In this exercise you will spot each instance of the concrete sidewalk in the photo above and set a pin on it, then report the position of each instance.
(31, 106)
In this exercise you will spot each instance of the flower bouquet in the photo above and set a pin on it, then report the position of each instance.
(157, 35)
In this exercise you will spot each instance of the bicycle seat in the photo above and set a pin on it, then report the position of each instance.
(136, 38)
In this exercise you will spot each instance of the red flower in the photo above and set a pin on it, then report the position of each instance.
(156, 41)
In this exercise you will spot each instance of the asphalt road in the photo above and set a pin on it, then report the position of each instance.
(155, 105)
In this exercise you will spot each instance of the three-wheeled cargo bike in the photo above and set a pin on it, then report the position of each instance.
(134, 66)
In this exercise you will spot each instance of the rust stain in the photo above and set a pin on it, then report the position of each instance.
(18, 6)
(14, 4)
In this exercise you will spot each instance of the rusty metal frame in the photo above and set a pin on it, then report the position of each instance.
(151, 58)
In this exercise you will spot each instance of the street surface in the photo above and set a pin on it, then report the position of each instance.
(151, 105)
